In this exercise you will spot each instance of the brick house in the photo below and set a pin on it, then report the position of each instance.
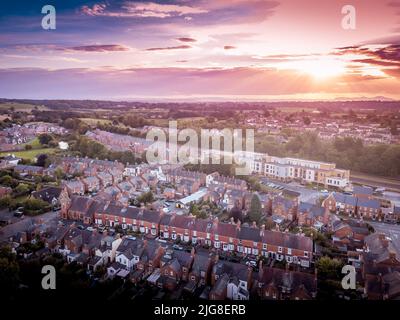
(284, 208)
(91, 184)
(279, 284)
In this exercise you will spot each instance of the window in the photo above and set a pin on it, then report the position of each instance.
(280, 249)
(264, 246)
(289, 251)
(305, 253)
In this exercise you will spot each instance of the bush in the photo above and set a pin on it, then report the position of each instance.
(6, 202)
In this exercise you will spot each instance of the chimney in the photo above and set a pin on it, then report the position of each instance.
(215, 222)
(262, 230)
(238, 225)
(260, 270)
(249, 276)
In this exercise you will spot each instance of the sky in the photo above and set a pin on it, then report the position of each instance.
(186, 49)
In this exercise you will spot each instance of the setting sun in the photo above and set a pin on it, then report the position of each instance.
(320, 68)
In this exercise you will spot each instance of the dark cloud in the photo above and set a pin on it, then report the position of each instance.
(98, 48)
(186, 39)
(387, 56)
(184, 46)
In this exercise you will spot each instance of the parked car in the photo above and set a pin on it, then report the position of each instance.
(19, 212)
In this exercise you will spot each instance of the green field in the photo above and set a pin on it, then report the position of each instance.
(93, 122)
(29, 154)
(34, 143)
(20, 106)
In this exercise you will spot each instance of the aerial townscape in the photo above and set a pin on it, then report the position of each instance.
(176, 153)
(80, 195)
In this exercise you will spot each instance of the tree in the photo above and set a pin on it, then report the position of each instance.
(329, 268)
(41, 160)
(307, 121)
(9, 270)
(22, 188)
(146, 197)
(6, 201)
(7, 180)
(35, 205)
(255, 208)
(59, 173)
(45, 138)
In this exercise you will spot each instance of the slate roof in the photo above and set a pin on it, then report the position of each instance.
(288, 240)
(345, 199)
(369, 203)
(249, 233)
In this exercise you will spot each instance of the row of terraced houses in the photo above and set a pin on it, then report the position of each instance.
(228, 237)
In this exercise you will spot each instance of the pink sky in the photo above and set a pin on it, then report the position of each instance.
(240, 49)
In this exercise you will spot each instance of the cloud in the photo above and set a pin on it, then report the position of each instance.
(229, 47)
(82, 83)
(186, 39)
(141, 10)
(99, 48)
(387, 57)
(184, 46)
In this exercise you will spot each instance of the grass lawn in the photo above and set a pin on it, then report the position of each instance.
(34, 143)
(29, 154)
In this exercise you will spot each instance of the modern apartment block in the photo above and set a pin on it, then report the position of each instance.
(287, 169)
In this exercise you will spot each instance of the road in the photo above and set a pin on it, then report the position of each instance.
(390, 230)
(23, 224)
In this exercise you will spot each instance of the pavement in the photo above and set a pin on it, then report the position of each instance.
(21, 225)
